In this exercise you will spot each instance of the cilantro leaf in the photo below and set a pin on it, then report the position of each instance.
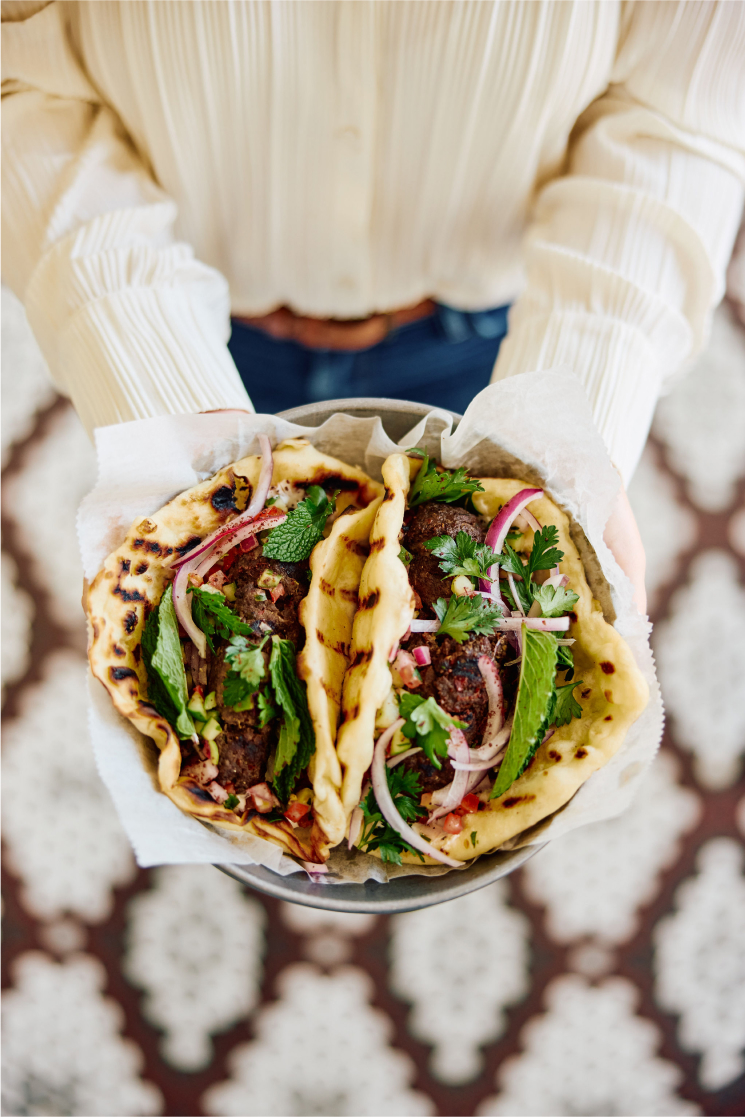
(459, 616)
(405, 556)
(462, 555)
(246, 672)
(565, 661)
(376, 832)
(564, 706)
(293, 540)
(215, 617)
(446, 486)
(545, 554)
(231, 802)
(553, 601)
(428, 723)
(534, 696)
(164, 662)
(297, 741)
(267, 709)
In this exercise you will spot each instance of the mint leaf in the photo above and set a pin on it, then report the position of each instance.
(428, 724)
(545, 554)
(564, 706)
(164, 662)
(215, 617)
(462, 555)
(534, 695)
(297, 741)
(459, 616)
(445, 486)
(554, 602)
(293, 540)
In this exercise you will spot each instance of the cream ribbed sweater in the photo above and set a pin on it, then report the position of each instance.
(166, 162)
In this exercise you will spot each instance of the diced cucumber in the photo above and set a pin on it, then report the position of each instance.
(210, 701)
(229, 591)
(212, 729)
(196, 706)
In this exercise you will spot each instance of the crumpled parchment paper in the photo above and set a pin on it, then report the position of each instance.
(537, 426)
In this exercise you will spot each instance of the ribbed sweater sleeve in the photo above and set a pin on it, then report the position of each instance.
(627, 252)
(130, 323)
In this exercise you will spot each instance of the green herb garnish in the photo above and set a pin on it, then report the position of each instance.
(215, 617)
(405, 556)
(293, 540)
(534, 697)
(564, 706)
(428, 724)
(247, 669)
(164, 662)
(553, 601)
(459, 616)
(462, 555)
(267, 710)
(376, 833)
(474, 839)
(445, 486)
(231, 802)
(297, 741)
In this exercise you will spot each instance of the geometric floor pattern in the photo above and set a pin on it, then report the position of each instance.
(605, 977)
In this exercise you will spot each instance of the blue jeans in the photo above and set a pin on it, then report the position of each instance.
(442, 360)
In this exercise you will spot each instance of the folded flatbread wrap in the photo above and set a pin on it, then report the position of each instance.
(484, 681)
(244, 744)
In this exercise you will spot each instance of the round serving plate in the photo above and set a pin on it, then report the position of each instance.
(403, 893)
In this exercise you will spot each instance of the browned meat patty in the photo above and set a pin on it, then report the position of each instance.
(429, 520)
(254, 605)
(244, 754)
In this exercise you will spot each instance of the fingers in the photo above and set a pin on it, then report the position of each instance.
(623, 538)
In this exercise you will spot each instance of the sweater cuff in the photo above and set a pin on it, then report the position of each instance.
(143, 352)
(615, 362)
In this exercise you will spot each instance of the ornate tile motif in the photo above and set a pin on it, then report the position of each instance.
(700, 962)
(703, 690)
(56, 475)
(195, 946)
(667, 528)
(702, 420)
(27, 388)
(62, 1048)
(589, 1053)
(17, 617)
(62, 834)
(321, 1049)
(460, 964)
(594, 879)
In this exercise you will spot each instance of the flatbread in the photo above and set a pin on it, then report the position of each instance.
(613, 692)
(135, 576)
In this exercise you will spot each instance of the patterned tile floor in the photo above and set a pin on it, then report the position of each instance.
(607, 977)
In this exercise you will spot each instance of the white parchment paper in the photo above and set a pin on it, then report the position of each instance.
(537, 426)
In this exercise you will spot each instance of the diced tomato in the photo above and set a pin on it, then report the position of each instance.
(247, 544)
(469, 804)
(452, 824)
(229, 559)
(297, 812)
(277, 592)
(217, 579)
(417, 601)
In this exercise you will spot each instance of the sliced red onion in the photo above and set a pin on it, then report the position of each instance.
(262, 797)
(532, 521)
(457, 789)
(515, 598)
(355, 826)
(234, 535)
(424, 626)
(495, 717)
(556, 580)
(388, 807)
(422, 656)
(203, 772)
(481, 766)
(182, 605)
(394, 760)
(393, 653)
(542, 624)
(258, 500)
(497, 534)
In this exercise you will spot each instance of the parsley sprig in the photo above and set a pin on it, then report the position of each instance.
(462, 555)
(293, 540)
(444, 485)
(376, 832)
(215, 617)
(247, 669)
(461, 616)
(427, 724)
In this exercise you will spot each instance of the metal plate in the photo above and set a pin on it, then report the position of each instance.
(404, 893)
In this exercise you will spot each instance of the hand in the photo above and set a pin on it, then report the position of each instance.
(623, 538)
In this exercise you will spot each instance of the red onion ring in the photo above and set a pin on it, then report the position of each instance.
(495, 717)
(355, 826)
(235, 535)
(455, 791)
(424, 626)
(532, 521)
(422, 656)
(384, 799)
(497, 534)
